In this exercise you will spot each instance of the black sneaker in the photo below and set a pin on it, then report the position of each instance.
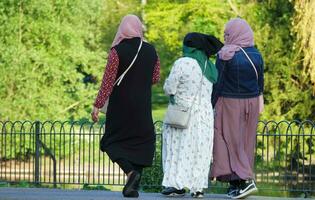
(246, 188)
(173, 192)
(232, 190)
(130, 187)
(197, 194)
(131, 194)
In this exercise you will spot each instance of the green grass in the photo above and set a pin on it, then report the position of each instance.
(158, 114)
(4, 184)
(94, 187)
(159, 104)
(25, 184)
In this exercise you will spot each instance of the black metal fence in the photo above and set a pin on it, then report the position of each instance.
(68, 153)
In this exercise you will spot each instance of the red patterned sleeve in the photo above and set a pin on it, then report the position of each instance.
(156, 72)
(109, 78)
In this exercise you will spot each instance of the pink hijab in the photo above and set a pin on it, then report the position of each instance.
(129, 27)
(237, 34)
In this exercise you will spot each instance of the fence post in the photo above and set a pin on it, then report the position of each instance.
(37, 151)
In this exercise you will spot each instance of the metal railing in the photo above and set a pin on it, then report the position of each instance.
(68, 153)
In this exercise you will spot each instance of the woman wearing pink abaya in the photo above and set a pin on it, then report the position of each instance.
(238, 101)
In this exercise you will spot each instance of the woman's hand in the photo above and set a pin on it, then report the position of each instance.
(94, 114)
(172, 99)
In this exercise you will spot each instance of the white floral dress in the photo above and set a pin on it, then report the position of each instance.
(187, 153)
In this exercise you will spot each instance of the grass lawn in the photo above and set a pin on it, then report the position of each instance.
(159, 103)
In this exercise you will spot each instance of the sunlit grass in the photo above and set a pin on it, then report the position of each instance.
(158, 114)
(159, 104)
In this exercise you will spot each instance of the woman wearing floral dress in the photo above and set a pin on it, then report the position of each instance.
(187, 153)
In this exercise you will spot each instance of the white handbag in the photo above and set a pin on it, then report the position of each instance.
(121, 77)
(261, 97)
(178, 116)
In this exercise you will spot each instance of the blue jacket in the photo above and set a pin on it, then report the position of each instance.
(237, 78)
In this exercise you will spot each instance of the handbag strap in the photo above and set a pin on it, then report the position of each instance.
(121, 77)
(251, 62)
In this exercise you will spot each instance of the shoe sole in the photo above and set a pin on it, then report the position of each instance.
(174, 195)
(133, 194)
(127, 189)
(245, 194)
(198, 197)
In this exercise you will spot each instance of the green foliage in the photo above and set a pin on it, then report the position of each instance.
(154, 175)
(4, 184)
(287, 95)
(46, 49)
(53, 52)
(23, 184)
(304, 25)
(168, 23)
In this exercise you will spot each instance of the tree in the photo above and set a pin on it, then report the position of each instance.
(288, 96)
(53, 53)
(287, 92)
(169, 21)
(304, 25)
(48, 48)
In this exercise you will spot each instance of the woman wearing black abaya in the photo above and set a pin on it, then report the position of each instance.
(129, 138)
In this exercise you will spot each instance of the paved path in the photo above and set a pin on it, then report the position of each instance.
(58, 194)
